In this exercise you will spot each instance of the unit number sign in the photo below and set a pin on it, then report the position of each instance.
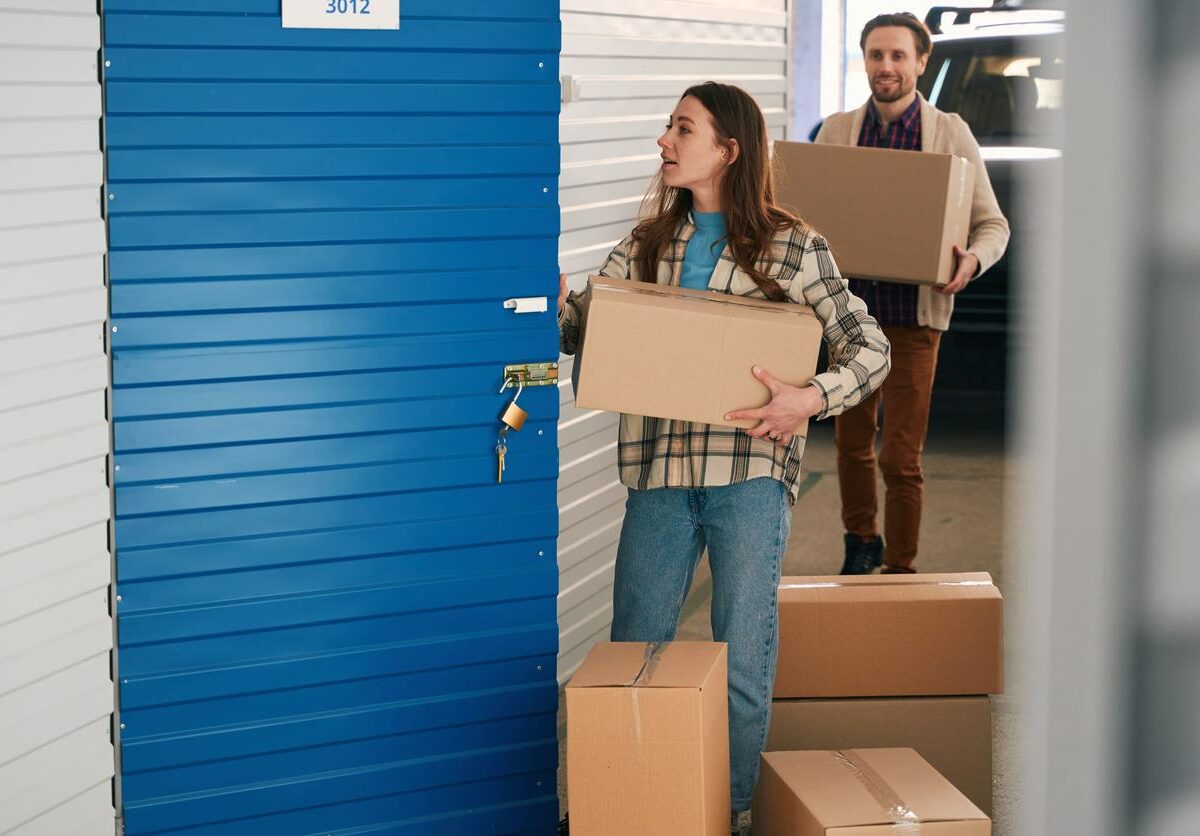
(341, 14)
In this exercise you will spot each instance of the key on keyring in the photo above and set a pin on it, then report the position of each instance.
(513, 417)
(501, 452)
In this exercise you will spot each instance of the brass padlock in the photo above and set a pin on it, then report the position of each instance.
(513, 415)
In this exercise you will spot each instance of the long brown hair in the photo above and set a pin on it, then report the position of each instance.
(747, 192)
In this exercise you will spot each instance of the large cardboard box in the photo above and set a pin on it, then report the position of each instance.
(669, 352)
(953, 733)
(890, 636)
(860, 792)
(891, 215)
(648, 740)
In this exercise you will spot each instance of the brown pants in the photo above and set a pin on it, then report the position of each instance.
(905, 397)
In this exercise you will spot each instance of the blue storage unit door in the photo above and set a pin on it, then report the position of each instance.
(331, 617)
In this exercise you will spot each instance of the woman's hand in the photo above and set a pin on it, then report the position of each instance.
(563, 292)
(789, 407)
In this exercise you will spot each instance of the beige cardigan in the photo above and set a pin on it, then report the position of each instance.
(941, 133)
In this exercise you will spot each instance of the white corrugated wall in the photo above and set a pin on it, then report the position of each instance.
(624, 65)
(56, 696)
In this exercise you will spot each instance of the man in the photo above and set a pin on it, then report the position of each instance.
(896, 48)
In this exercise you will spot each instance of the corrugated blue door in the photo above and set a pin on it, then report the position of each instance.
(331, 619)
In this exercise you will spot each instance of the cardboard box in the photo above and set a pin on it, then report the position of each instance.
(648, 740)
(859, 792)
(669, 352)
(851, 196)
(890, 636)
(953, 733)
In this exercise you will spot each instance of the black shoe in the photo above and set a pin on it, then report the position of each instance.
(564, 829)
(862, 556)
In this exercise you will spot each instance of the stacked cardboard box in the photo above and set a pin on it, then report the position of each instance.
(860, 792)
(648, 740)
(892, 661)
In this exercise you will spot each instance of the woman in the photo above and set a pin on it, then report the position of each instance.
(712, 224)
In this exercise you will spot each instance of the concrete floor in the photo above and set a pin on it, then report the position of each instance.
(966, 482)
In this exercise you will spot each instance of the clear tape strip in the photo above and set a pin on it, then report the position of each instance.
(838, 585)
(903, 819)
(649, 663)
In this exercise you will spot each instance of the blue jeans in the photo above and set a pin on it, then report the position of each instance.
(745, 527)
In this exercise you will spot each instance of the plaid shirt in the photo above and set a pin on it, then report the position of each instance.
(657, 453)
(889, 302)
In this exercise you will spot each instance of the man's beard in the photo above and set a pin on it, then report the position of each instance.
(898, 92)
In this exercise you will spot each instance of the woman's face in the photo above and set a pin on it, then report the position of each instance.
(692, 159)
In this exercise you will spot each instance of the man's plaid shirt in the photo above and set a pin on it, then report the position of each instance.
(657, 453)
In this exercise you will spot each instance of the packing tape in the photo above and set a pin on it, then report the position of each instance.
(649, 663)
(839, 585)
(903, 819)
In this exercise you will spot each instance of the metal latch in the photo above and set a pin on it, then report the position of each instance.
(530, 374)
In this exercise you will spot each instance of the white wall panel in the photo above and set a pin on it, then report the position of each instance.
(624, 64)
(56, 692)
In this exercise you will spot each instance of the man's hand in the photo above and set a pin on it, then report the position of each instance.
(967, 266)
(563, 292)
(789, 407)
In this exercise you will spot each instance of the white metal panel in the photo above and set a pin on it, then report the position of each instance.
(656, 44)
(584, 577)
(56, 692)
(49, 29)
(58, 519)
(36, 715)
(51, 312)
(86, 814)
(624, 64)
(575, 173)
(52, 348)
(680, 10)
(33, 101)
(55, 774)
(52, 241)
(587, 422)
(639, 127)
(589, 624)
(44, 66)
(52, 170)
(23, 281)
(23, 566)
(649, 65)
(599, 108)
(70, 135)
(79, 7)
(39, 385)
(45, 207)
(45, 420)
(68, 448)
(86, 574)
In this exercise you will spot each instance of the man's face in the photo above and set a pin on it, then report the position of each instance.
(892, 63)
